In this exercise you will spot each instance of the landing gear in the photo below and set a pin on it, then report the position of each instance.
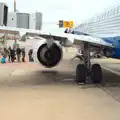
(81, 73)
(87, 71)
(96, 73)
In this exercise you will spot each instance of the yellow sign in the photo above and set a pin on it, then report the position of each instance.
(68, 24)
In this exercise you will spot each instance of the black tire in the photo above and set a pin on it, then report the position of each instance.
(81, 73)
(96, 75)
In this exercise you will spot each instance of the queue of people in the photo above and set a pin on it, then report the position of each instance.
(16, 54)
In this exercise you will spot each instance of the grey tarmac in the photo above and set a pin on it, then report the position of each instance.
(31, 92)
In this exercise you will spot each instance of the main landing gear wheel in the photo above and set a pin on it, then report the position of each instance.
(96, 75)
(81, 73)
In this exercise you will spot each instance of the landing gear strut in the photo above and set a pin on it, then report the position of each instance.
(87, 71)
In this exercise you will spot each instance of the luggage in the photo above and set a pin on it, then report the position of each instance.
(3, 60)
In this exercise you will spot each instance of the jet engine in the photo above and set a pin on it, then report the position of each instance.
(48, 55)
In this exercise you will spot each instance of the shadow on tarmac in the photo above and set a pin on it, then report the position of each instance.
(37, 78)
(61, 75)
(54, 77)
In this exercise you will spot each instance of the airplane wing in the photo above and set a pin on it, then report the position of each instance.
(65, 38)
(75, 39)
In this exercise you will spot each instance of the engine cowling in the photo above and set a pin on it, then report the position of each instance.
(48, 56)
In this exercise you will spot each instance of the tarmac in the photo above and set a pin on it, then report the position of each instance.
(28, 91)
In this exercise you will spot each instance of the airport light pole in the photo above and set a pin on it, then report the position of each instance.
(14, 5)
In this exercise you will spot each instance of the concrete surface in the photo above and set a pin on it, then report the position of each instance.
(30, 92)
(110, 63)
(112, 83)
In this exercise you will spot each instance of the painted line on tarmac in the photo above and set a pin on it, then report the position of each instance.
(11, 72)
(112, 71)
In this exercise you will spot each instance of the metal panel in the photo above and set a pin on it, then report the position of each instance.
(3, 14)
(38, 21)
(12, 21)
(23, 20)
(32, 21)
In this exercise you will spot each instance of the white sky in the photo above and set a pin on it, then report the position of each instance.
(54, 10)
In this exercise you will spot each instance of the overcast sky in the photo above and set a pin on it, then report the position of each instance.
(54, 10)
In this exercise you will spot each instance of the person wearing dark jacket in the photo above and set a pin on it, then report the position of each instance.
(9, 54)
(23, 54)
(12, 55)
(18, 52)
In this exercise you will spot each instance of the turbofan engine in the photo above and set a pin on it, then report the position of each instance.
(48, 56)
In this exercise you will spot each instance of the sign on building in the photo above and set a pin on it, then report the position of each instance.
(66, 24)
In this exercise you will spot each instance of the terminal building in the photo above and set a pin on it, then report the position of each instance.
(25, 20)
(20, 20)
(17, 20)
(107, 22)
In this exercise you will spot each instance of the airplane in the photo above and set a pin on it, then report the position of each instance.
(48, 50)
(113, 38)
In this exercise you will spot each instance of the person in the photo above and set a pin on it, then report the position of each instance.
(3, 60)
(18, 52)
(4, 53)
(66, 31)
(12, 55)
(30, 55)
(9, 54)
(23, 54)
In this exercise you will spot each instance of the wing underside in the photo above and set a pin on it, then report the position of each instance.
(62, 37)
